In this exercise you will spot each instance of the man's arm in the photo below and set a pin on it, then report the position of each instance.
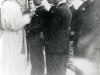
(12, 18)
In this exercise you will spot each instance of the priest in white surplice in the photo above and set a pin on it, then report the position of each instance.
(12, 42)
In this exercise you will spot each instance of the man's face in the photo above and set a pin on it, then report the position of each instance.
(37, 2)
(30, 4)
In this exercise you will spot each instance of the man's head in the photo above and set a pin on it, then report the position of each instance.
(51, 1)
(55, 2)
(30, 4)
(37, 2)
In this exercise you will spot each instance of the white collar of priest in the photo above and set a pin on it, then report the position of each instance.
(63, 1)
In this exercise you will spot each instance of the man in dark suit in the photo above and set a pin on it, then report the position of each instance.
(36, 38)
(31, 10)
(89, 38)
(76, 24)
(90, 28)
(82, 19)
(57, 38)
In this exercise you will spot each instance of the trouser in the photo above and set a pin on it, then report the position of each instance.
(75, 44)
(56, 64)
(37, 57)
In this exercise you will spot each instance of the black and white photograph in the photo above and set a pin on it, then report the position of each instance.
(49, 37)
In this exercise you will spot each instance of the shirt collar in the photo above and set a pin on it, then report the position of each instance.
(63, 1)
(38, 6)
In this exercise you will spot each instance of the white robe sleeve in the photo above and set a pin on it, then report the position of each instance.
(11, 16)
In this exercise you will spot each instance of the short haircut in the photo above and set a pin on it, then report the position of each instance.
(30, 0)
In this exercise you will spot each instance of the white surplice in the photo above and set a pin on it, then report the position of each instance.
(12, 42)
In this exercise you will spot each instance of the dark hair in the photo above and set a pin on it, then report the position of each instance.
(30, 0)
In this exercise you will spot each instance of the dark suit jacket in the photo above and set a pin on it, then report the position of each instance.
(73, 10)
(57, 29)
(77, 21)
(89, 40)
(36, 25)
(78, 18)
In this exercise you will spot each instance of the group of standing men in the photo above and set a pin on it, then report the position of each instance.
(49, 29)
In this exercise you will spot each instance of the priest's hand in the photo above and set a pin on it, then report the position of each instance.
(31, 14)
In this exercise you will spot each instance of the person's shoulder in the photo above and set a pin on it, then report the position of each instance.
(43, 8)
(8, 4)
(63, 7)
(65, 10)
